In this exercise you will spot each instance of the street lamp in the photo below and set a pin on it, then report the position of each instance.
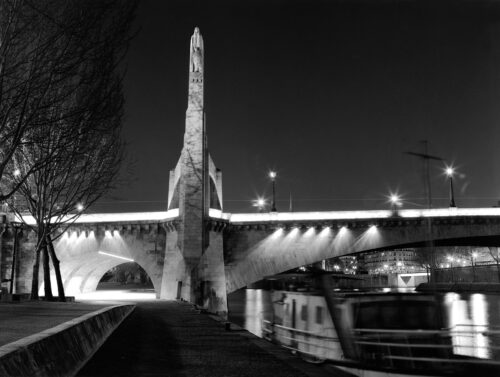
(260, 203)
(395, 201)
(449, 172)
(272, 175)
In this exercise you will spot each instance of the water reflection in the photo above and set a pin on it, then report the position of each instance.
(464, 312)
(470, 313)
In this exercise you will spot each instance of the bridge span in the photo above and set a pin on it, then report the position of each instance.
(254, 245)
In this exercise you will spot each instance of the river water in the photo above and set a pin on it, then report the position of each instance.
(247, 308)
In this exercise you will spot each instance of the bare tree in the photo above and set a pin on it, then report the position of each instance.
(77, 132)
(23, 87)
(495, 254)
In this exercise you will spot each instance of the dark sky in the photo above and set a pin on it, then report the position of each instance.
(328, 93)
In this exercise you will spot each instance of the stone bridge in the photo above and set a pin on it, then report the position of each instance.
(254, 245)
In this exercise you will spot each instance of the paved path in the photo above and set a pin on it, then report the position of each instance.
(166, 338)
(21, 319)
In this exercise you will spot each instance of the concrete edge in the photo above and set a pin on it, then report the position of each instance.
(64, 349)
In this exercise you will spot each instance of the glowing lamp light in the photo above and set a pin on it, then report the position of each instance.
(394, 198)
(79, 207)
(115, 256)
(474, 254)
(16, 173)
(449, 171)
(272, 174)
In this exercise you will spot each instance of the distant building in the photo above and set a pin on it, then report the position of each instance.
(391, 261)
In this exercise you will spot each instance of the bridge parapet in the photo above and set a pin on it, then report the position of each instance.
(358, 219)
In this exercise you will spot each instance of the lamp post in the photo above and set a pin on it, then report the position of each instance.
(17, 228)
(474, 256)
(451, 266)
(449, 172)
(272, 175)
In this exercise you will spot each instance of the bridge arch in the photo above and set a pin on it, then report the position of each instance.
(86, 256)
(254, 252)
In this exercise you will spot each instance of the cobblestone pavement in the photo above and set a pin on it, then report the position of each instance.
(167, 338)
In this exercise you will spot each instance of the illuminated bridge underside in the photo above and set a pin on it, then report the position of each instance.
(87, 255)
(260, 244)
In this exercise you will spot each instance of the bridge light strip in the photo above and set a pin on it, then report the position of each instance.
(115, 256)
(114, 217)
(352, 215)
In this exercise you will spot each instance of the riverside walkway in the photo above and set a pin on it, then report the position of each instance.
(21, 319)
(168, 338)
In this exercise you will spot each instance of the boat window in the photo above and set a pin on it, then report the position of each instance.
(303, 313)
(319, 315)
(402, 314)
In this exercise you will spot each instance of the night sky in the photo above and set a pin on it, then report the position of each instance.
(330, 94)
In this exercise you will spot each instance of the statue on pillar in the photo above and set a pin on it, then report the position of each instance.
(196, 52)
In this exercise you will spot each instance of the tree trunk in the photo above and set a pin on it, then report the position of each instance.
(34, 280)
(55, 262)
(46, 274)
(498, 271)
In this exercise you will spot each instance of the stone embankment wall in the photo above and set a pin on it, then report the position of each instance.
(64, 349)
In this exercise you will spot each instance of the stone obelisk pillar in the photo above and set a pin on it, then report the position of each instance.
(193, 208)
(194, 256)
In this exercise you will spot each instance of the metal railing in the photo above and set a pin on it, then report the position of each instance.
(394, 348)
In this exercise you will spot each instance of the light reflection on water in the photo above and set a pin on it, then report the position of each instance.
(471, 312)
(464, 312)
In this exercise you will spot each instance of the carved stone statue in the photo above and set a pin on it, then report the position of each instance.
(197, 60)
(196, 52)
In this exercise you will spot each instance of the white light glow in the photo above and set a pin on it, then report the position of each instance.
(394, 198)
(278, 232)
(115, 256)
(17, 173)
(449, 171)
(309, 232)
(355, 215)
(242, 218)
(260, 202)
(116, 217)
(115, 295)
(79, 207)
(272, 174)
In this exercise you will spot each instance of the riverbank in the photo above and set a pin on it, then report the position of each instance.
(168, 338)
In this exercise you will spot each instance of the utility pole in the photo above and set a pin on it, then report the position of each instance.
(425, 157)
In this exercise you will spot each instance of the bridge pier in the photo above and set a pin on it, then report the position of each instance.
(194, 258)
